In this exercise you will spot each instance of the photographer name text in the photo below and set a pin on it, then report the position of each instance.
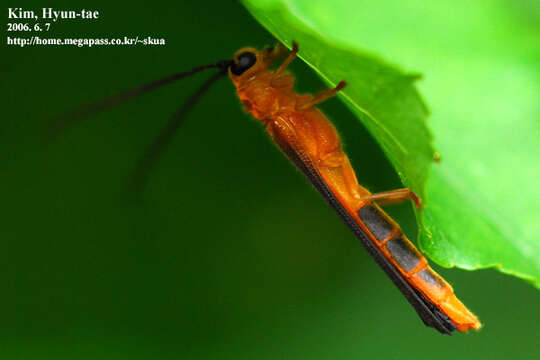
(51, 14)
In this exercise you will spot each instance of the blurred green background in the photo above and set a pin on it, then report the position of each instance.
(229, 254)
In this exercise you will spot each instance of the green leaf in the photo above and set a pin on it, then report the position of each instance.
(481, 68)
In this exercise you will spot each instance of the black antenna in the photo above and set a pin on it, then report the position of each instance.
(63, 122)
(148, 160)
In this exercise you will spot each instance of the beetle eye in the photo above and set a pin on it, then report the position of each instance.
(245, 61)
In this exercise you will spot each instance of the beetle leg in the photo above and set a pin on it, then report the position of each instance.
(394, 196)
(323, 95)
(288, 60)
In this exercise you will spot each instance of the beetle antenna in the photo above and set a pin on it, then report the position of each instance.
(149, 159)
(56, 125)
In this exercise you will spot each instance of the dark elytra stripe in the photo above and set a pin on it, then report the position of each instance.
(403, 252)
(428, 312)
(376, 222)
(431, 278)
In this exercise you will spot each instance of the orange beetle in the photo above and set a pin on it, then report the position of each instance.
(310, 141)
